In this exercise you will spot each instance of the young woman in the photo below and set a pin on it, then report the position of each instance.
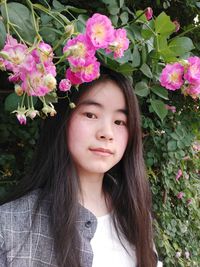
(86, 201)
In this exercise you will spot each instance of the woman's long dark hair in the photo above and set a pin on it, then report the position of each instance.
(53, 171)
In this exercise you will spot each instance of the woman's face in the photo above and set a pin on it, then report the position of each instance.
(97, 133)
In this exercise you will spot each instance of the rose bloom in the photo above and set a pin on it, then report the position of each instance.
(80, 49)
(192, 74)
(15, 54)
(149, 13)
(100, 31)
(70, 75)
(172, 76)
(90, 72)
(193, 90)
(120, 43)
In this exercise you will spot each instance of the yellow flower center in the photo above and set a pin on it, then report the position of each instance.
(174, 77)
(98, 32)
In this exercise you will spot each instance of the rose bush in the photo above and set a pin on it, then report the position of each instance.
(162, 61)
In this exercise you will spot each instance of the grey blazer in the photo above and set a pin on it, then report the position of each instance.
(18, 248)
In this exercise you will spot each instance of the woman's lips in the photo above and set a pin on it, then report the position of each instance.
(101, 151)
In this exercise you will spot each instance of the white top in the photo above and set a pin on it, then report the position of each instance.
(108, 250)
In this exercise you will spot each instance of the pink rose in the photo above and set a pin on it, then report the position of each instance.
(100, 31)
(80, 49)
(172, 76)
(192, 74)
(120, 43)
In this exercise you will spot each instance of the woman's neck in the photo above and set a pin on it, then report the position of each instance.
(92, 195)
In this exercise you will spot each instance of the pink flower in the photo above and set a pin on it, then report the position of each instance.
(34, 84)
(149, 13)
(171, 108)
(90, 72)
(21, 118)
(100, 31)
(177, 25)
(192, 74)
(43, 53)
(193, 90)
(172, 76)
(70, 75)
(80, 49)
(14, 54)
(180, 195)
(64, 85)
(120, 43)
(179, 174)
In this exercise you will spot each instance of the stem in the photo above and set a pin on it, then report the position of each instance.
(34, 20)
(49, 13)
(7, 17)
(23, 98)
(185, 32)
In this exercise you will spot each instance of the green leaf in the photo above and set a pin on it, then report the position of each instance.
(113, 10)
(57, 5)
(20, 16)
(142, 18)
(114, 19)
(121, 3)
(126, 69)
(181, 45)
(136, 57)
(160, 91)
(159, 107)
(146, 70)
(11, 102)
(172, 145)
(2, 35)
(141, 89)
(124, 17)
(164, 25)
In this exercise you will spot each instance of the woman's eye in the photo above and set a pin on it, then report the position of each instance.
(90, 115)
(120, 122)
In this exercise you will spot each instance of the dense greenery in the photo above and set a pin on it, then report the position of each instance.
(169, 137)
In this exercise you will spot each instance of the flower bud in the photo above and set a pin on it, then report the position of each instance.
(180, 195)
(187, 255)
(149, 13)
(177, 25)
(69, 30)
(49, 110)
(50, 81)
(72, 105)
(18, 90)
(32, 113)
(21, 118)
(178, 254)
(64, 85)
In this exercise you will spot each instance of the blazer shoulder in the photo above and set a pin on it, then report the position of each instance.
(21, 205)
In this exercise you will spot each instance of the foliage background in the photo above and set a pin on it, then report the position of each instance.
(168, 137)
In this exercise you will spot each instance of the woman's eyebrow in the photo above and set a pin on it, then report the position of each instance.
(89, 102)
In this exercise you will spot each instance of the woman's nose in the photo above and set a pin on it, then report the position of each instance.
(105, 132)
